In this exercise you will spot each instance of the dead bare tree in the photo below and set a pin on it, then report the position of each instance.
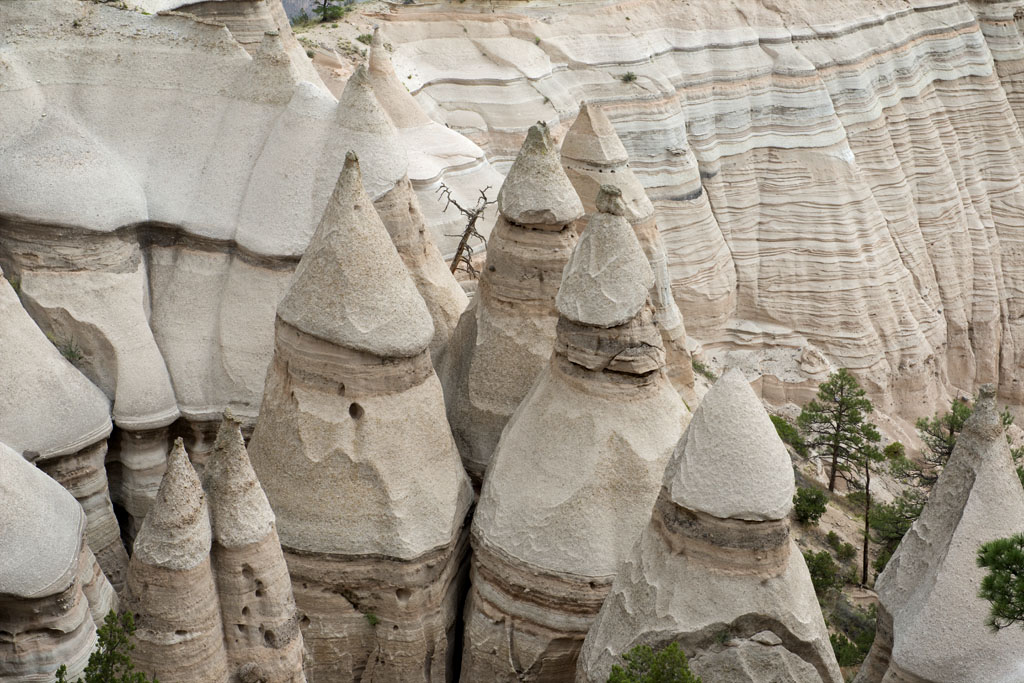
(464, 252)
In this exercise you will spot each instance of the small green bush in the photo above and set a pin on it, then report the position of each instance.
(824, 571)
(789, 434)
(365, 38)
(833, 540)
(628, 77)
(644, 665)
(846, 552)
(846, 651)
(372, 618)
(111, 661)
(698, 367)
(809, 504)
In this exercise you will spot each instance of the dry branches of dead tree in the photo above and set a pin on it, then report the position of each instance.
(464, 252)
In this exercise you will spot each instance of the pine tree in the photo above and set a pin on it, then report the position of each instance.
(111, 661)
(1003, 586)
(644, 665)
(834, 423)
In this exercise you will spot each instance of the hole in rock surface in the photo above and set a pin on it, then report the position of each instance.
(356, 411)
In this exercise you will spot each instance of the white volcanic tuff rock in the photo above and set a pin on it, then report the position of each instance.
(261, 629)
(576, 470)
(931, 622)
(60, 420)
(592, 154)
(375, 140)
(170, 585)
(504, 338)
(728, 464)
(437, 154)
(381, 311)
(607, 279)
(352, 418)
(865, 122)
(707, 563)
(220, 224)
(50, 587)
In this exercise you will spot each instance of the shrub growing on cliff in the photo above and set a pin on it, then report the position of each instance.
(824, 571)
(644, 665)
(1003, 586)
(111, 661)
(789, 434)
(809, 504)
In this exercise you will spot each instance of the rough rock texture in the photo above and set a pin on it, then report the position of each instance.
(437, 154)
(931, 621)
(358, 461)
(60, 420)
(170, 585)
(51, 589)
(822, 172)
(378, 144)
(576, 471)
(717, 557)
(505, 337)
(592, 154)
(261, 626)
(160, 249)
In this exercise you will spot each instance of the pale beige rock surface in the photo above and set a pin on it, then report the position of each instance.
(170, 585)
(576, 470)
(593, 154)
(60, 420)
(50, 586)
(358, 462)
(705, 566)
(504, 338)
(931, 621)
(606, 281)
(261, 624)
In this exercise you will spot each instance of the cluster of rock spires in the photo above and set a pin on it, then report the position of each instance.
(600, 525)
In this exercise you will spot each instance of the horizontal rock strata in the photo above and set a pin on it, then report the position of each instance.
(357, 460)
(504, 338)
(52, 593)
(715, 570)
(577, 468)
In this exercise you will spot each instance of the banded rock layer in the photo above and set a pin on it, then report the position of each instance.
(835, 183)
(358, 461)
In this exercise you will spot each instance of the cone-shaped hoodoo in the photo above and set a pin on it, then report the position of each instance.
(931, 623)
(505, 338)
(261, 626)
(577, 469)
(717, 557)
(170, 585)
(591, 154)
(357, 460)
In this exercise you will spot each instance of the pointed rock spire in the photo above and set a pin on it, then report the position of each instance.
(591, 154)
(261, 628)
(536, 192)
(170, 584)
(592, 138)
(701, 566)
(239, 511)
(370, 133)
(357, 460)
(932, 577)
(730, 463)
(607, 279)
(176, 532)
(505, 338)
(392, 93)
(602, 416)
(351, 288)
